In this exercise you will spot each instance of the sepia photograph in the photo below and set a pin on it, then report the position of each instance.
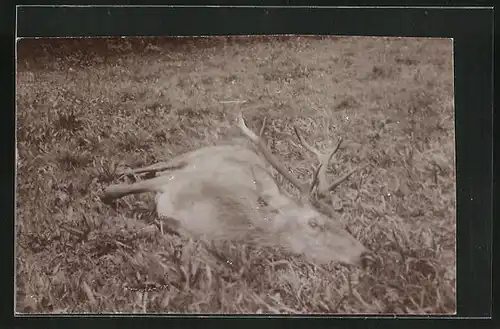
(291, 174)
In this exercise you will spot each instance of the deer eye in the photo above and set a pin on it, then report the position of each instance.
(313, 223)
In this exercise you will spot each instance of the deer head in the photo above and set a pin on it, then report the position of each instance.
(323, 237)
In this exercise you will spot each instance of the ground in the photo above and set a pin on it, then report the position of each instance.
(86, 108)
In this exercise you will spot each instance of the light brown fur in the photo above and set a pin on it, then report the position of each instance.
(228, 192)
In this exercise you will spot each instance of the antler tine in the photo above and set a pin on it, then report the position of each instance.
(336, 148)
(342, 179)
(323, 159)
(305, 144)
(304, 188)
(314, 180)
(261, 133)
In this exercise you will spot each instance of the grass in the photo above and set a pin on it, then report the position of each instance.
(86, 108)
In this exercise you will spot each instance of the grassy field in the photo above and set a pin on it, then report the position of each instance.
(86, 108)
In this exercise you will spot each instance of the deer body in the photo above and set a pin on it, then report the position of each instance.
(228, 192)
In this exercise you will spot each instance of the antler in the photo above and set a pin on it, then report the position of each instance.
(324, 158)
(271, 158)
(319, 175)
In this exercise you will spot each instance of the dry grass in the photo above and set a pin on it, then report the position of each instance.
(86, 108)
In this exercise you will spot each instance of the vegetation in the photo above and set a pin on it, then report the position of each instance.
(88, 107)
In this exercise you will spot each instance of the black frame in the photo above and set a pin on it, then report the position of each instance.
(472, 31)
